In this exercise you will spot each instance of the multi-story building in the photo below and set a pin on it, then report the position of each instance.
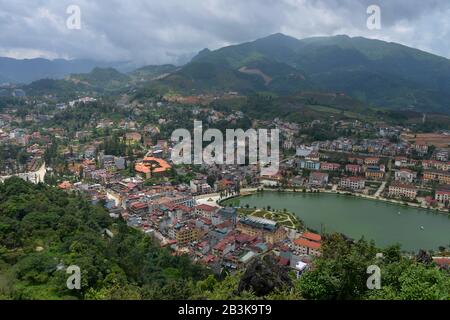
(442, 177)
(405, 176)
(421, 148)
(443, 194)
(205, 210)
(400, 190)
(374, 173)
(152, 166)
(371, 161)
(309, 165)
(200, 186)
(266, 229)
(304, 151)
(318, 179)
(356, 160)
(185, 234)
(442, 155)
(270, 181)
(313, 156)
(308, 244)
(326, 166)
(353, 169)
(139, 208)
(437, 165)
(225, 246)
(353, 183)
(401, 162)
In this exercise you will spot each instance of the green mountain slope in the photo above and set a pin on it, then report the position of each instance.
(29, 70)
(152, 72)
(377, 72)
(102, 78)
(59, 88)
(99, 80)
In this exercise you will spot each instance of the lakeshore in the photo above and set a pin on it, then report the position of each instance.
(247, 192)
(386, 222)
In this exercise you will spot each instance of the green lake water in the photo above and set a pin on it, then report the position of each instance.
(385, 223)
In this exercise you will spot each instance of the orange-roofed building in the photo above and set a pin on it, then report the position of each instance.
(308, 247)
(66, 185)
(224, 184)
(152, 166)
(133, 137)
(206, 211)
(442, 262)
(312, 236)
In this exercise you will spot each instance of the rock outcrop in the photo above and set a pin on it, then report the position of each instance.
(263, 276)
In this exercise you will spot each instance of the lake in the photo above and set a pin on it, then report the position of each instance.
(385, 223)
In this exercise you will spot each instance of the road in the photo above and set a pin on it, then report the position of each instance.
(381, 189)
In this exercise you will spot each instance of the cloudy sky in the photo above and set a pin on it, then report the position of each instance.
(169, 31)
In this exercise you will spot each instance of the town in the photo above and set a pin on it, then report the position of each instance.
(124, 163)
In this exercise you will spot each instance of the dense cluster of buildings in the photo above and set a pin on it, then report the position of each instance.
(151, 194)
(215, 236)
(400, 170)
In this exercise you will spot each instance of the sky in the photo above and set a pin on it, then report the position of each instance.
(172, 31)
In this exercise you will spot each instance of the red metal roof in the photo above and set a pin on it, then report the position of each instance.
(312, 236)
(306, 243)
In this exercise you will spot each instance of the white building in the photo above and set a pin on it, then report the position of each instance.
(405, 176)
(399, 190)
(353, 183)
(304, 151)
(33, 177)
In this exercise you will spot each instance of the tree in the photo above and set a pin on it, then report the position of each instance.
(341, 271)
(211, 180)
(226, 289)
(414, 281)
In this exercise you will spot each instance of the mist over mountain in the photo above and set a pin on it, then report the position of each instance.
(29, 70)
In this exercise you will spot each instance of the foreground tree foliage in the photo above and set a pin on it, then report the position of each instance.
(44, 230)
(341, 274)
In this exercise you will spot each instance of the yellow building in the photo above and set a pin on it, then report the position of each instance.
(187, 235)
(263, 228)
(436, 176)
(374, 174)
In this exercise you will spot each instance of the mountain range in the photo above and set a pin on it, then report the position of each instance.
(377, 73)
(29, 70)
(373, 71)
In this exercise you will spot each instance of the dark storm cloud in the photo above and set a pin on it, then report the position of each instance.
(150, 31)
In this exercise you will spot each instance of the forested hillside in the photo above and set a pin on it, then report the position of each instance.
(44, 230)
(375, 72)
